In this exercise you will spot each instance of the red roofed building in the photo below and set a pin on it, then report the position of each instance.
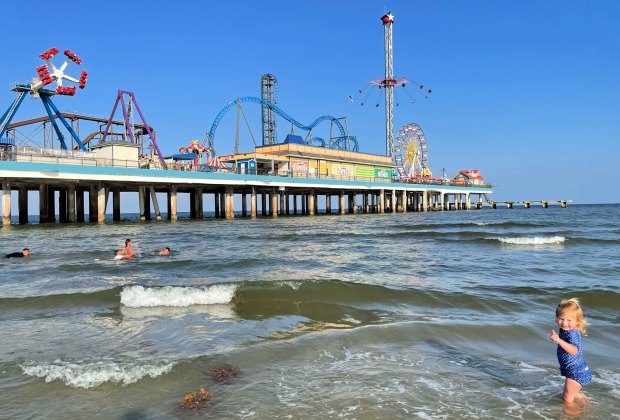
(468, 177)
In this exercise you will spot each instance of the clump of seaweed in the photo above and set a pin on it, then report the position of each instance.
(195, 400)
(225, 372)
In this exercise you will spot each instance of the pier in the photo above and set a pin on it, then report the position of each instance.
(65, 189)
(528, 203)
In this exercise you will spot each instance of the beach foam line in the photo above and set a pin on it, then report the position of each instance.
(553, 240)
(90, 375)
(140, 296)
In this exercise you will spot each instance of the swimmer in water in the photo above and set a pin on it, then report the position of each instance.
(165, 251)
(128, 252)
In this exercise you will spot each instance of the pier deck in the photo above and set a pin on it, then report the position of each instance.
(65, 185)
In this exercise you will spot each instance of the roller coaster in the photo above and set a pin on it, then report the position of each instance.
(342, 142)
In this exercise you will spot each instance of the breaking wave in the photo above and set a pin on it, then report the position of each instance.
(553, 240)
(90, 375)
(140, 296)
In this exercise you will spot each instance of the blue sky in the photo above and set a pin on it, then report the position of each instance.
(525, 91)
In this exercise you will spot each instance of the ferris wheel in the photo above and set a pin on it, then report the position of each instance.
(411, 152)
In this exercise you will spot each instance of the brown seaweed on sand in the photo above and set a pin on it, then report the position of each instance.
(225, 372)
(195, 400)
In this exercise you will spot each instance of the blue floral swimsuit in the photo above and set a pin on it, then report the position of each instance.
(573, 367)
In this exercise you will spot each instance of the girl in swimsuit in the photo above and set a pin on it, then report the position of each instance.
(571, 323)
(128, 252)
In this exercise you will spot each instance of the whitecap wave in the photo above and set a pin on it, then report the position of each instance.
(90, 375)
(538, 240)
(140, 296)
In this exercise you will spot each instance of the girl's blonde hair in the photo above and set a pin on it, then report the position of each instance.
(572, 305)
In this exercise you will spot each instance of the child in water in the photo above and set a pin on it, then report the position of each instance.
(570, 355)
(128, 251)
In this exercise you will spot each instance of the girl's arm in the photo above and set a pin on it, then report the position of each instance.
(568, 347)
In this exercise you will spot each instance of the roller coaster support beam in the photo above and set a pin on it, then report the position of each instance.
(47, 101)
(10, 113)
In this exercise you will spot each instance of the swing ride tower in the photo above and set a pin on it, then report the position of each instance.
(388, 83)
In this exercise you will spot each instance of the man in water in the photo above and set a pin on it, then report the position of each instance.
(165, 251)
(25, 252)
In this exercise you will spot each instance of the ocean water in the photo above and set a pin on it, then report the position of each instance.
(418, 315)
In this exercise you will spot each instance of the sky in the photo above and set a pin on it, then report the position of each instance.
(524, 91)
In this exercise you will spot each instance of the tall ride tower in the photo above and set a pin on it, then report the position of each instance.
(388, 83)
(269, 93)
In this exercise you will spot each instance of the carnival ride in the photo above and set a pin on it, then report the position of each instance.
(129, 127)
(387, 84)
(341, 142)
(49, 74)
(36, 89)
(411, 152)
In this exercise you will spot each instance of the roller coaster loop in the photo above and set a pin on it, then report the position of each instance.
(343, 136)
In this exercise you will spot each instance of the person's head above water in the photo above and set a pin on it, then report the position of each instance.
(26, 252)
(127, 242)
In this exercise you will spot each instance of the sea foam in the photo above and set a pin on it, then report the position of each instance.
(90, 375)
(552, 240)
(140, 296)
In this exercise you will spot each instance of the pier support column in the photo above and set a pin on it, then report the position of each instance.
(263, 202)
(253, 203)
(141, 203)
(381, 201)
(6, 203)
(303, 203)
(563, 203)
(216, 204)
(198, 206)
(311, 198)
(79, 205)
(22, 203)
(172, 204)
(71, 204)
(467, 202)
(425, 200)
(116, 205)
(282, 203)
(287, 202)
(351, 209)
(156, 204)
(51, 204)
(244, 204)
(341, 203)
(62, 205)
(328, 203)
(545, 204)
(43, 210)
(230, 203)
(101, 193)
(147, 203)
(273, 202)
(404, 201)
(223, 204)
(526, 204)
(509, 205)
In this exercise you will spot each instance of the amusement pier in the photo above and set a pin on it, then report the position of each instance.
(77, 161)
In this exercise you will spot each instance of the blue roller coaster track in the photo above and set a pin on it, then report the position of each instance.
(343, 142)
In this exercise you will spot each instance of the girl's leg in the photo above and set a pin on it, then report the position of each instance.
(571, 390)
